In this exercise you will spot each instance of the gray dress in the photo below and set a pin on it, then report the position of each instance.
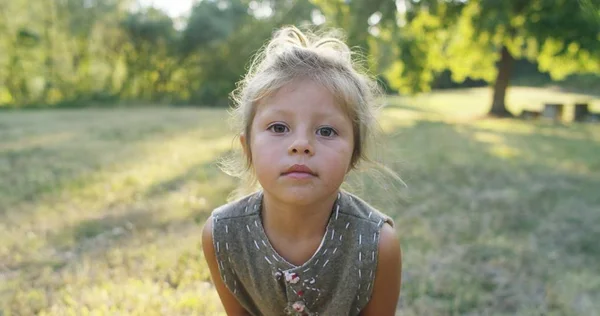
(336, 280)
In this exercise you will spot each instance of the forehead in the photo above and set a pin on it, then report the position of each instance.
(304, 97)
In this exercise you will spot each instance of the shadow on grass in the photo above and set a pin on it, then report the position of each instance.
(153, 213)
(126, 240)
(492, 231)
(51, 158)
(492, 225)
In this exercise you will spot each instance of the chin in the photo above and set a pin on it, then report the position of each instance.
(298, 196)
(301, 195)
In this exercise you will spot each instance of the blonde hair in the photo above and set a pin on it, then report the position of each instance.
(291, 55)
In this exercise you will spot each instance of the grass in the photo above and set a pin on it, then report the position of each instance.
(100, 210)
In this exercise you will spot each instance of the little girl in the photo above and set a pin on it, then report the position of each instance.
(299, 245)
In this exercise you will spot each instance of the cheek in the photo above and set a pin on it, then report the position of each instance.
(263, 155)
(340, 157)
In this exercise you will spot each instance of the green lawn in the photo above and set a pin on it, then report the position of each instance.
(100, 210)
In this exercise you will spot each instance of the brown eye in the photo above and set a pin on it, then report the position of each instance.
(326, 131)
(278, 128)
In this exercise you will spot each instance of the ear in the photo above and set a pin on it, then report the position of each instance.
(243, 143)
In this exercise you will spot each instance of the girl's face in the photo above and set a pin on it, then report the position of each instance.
(301, 143)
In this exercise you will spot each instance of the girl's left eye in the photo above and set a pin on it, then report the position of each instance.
(326, 131)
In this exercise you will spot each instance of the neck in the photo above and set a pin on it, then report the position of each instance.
(291, 221)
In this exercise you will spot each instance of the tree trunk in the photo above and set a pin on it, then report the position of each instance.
(504, 69)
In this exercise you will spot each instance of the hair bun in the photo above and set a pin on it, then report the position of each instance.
(290, 37)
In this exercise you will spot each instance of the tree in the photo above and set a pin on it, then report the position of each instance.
(56, 52)
(481, 39)
(225, 37)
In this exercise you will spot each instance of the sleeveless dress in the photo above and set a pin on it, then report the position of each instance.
(336, 280)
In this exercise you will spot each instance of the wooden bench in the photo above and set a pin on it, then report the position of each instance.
(553, 111)
(556, 111)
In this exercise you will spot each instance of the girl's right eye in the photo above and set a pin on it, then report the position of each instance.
(278, 128)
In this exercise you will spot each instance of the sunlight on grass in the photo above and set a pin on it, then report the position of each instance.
(38, 141)
(488, 138)
(497, 145)
(117, 185)
(107, 219)
(504, 151)
(393, 118)
(575, 132)
(465, 103)
(121, 206)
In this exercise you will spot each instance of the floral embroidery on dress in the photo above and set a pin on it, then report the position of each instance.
(292, 278)
(298, 306)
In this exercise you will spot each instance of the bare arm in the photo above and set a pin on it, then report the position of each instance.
(386, 289)
(232, 306)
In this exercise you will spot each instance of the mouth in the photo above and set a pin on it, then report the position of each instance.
(299, 172)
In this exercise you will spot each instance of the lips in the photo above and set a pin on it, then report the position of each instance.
(299, 171)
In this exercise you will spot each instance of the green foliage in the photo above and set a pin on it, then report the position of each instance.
(465, 37)
(65, 53)
(209, 24)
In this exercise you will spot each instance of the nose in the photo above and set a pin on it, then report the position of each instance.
(301, 145)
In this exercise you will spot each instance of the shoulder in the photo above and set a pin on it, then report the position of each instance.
(357, 207)
(229, 301)
(389, 246)
(207, 237)
(388, 277)
(244, 206)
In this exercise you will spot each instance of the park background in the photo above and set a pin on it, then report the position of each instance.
(113, 116)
